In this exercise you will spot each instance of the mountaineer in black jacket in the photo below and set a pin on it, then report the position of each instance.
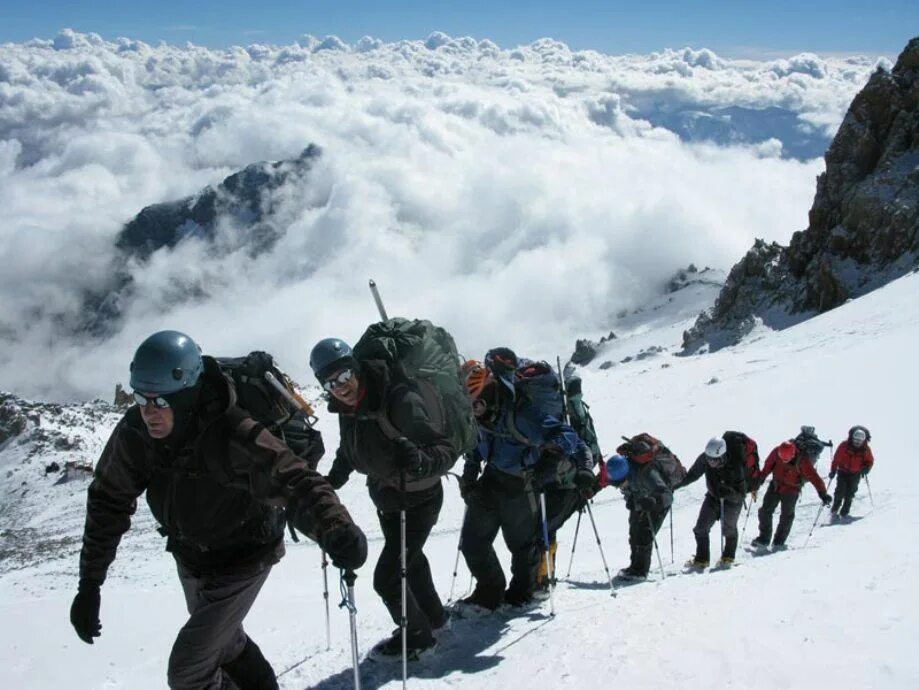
(726, 481)
(387, 432)
(219, 484)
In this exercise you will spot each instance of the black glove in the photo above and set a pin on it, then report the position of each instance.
(346, 546)
(84, 612)
(584, 479)
(406, 456)
(832, 474)
(825, 497)
(865, 471)
(646, 503)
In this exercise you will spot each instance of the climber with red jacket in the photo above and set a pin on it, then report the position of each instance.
(852, 461)
(790, 466)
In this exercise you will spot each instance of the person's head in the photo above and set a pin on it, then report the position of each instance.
(716, 452)
(858, 436)
(787, 451)
(336, 370)
(165, 375)
(617, 469)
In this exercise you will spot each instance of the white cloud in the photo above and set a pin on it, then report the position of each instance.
(516, 197)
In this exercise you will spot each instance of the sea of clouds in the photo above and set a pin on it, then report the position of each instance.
(516, 197)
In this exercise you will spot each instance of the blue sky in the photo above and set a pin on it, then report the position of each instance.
(735, 28)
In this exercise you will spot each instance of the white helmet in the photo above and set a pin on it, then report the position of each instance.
(716, 447)
(859, 437)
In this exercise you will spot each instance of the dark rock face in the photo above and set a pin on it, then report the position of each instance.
(585, 350)
(863, 226)
(244, 200)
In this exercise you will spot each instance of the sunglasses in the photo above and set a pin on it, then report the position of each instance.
(339, 380)
(157, 401)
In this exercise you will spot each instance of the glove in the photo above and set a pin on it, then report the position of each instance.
(346, 546)
(646, 503)
(865, 471)
(825, 497)
(467, 488)
(832, 474)
(584, 479)
(84, 612)
(407, 457)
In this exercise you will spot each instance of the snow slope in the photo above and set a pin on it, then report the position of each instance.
(840, 613)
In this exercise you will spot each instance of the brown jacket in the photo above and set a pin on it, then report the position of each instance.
(221, 496)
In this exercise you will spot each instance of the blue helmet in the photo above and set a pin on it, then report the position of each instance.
(617, 468)
(166, 362)
(329, 355)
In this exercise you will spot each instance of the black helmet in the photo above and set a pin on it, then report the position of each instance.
(330, 355)
(166, 362)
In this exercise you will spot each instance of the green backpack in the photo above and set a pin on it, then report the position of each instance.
(425, 355)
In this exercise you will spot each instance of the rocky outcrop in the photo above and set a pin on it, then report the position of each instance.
(585, 350)
(863, 226)
(241, 213)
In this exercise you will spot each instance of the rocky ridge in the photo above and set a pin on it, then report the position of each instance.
(863, 226)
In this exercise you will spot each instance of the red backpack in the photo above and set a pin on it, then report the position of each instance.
(644, 448)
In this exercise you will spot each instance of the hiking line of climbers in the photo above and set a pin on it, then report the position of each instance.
(227, 454)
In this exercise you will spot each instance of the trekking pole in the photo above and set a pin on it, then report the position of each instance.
(325, 596)
(722, 525)
(347, 601)
(403, 623)
(671, 536)
(574, 544)
(660, 561)
(545, 536)
(870, 497)
(612, 587)
(459, 548)
(747, 518)
(376, 298)
(816, 519)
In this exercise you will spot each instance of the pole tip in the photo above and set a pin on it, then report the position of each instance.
(373, 283)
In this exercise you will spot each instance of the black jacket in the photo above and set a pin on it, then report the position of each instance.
(727, 482)
(220, 496)
(365, 448)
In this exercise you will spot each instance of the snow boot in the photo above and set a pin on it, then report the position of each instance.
(779, 547)
(759, 543)
(390, 649)
(632, 575)
(696, 564)
(724, 562)
(479, 603)
(519, 600)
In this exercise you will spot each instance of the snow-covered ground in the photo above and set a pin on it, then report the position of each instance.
(841, 613)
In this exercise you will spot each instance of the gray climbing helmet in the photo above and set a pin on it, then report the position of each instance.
(329, 355)
(166, 362)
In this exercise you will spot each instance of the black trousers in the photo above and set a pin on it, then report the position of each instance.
(771, 501)
(709, 514)
(561, 504)
(643, 525)
(846, 488)
(502, 502)
(425, 611)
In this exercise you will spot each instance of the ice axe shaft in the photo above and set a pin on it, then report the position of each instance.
(379, 300)
(293, 398)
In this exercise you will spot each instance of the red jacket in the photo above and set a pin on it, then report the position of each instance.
(852, 460)
(789, 476)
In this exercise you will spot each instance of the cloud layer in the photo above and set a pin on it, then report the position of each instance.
(515, 196)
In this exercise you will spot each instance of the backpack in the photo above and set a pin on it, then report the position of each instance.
(645, 448)
(283, 415)
(743, 448)
(582, 423)
(424, 355)
(537, 383)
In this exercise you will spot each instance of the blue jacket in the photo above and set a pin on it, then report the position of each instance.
(520, 436)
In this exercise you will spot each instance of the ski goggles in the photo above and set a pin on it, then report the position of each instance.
(338, 380)
(156, 400)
